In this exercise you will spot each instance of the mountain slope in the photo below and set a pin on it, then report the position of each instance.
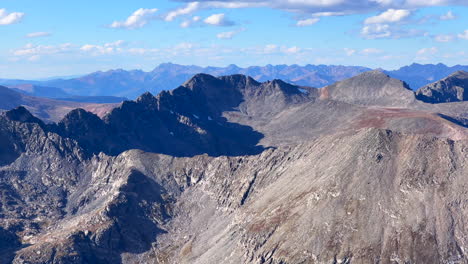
(285, 175)
(453, 88)
(370, 88)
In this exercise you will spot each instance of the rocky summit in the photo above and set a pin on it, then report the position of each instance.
(231, 170)
(454, 88)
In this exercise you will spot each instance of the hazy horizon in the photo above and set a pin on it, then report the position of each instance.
(77, 75)
(61, 39)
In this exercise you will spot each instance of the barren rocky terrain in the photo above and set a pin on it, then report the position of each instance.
(231, 170)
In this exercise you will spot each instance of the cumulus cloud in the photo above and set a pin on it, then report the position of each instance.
(376, 31)
(307, 22)
(426, 51)
(463, 35)
(389, 16)
(448, 16)
(9, 18)
(444, 38)
(229, 34)
(33, 52)
(138, 19)
(370, 51)
(337, 7)
(270, 48)
(38, 34)
(188, 9)
(291, 50)
(218, 20)
(187, 23)
(349, 52)
(107, 48)
(327, 14)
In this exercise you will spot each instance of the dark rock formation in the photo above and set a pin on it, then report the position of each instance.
(453, 88)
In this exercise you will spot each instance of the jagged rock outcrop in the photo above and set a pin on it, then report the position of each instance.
(251, 173)
(453, 88)
(186, 121)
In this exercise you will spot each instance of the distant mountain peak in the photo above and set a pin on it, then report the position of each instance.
(21, 114)
(459, 73)
(146, 97)
(369, 88)
(453, 88)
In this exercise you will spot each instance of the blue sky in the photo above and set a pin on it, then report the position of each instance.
(56, 38)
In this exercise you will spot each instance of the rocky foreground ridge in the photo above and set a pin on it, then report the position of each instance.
(230, 170)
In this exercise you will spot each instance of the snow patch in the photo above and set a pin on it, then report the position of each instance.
(197, 117)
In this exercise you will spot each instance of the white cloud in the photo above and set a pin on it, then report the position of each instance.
(463, 35)
(10, 18)
(270, 48)
(188, 23)
(448, 16)
(444, 38)
(426, 51)
(188, 9)
(229, 34)
(307, 22)
(327, 14)
(107, 48)
(335, 7)
(376, 31)
(138, 19)
(349, 52)
(185, 24)
(370, 51)
(218, 20)
(33, 52)
(226, 35)
(389, 16)
(31, 49)
(34, 58)
(290, 50)
(38, 34)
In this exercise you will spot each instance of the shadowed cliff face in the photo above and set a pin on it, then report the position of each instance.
(184, 122)
(356, 173)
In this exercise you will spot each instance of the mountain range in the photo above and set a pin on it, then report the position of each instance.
(167, 76)
(49, 110)
(233, 170)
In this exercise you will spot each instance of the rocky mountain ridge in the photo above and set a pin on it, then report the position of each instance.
(453, 88)
(166, 76)
(291, 174)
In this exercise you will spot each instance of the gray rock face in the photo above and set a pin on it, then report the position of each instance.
(337, 178)
(454, 88)
(371, 88)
